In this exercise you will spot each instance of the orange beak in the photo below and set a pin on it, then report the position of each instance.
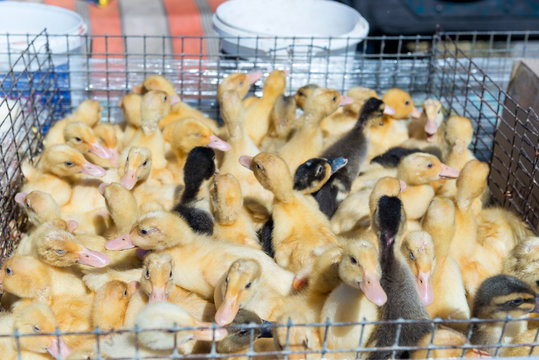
(227, 311)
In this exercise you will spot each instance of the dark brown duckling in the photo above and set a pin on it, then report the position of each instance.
(239, 337)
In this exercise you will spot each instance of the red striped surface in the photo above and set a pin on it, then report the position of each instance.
(67, 4)
(106, 21)
(184, 20)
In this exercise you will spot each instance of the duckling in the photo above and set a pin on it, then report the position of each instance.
(314, 173)
(303, 93)
(417, 250)
(81, 137)
(110, 305)
(307, 141)
(282, 123)
(258, 112)
(299, 228)
(57, 170)
(357, 298)
(110, 136)
(239, 82)
(393, 157)
(393, 130)
(254, 194)
(426, 126)
(32, 319)
(88, 112)
(498, 297)
(523, 262)
(244, 287)
(232, 222)
(194, 204)
(449, 295)
(450, 343)
(398, 283)
(38, 206)
(353, 146)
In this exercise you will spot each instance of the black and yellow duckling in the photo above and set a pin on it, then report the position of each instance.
(498, 297)
(392, 157)
(194, 205)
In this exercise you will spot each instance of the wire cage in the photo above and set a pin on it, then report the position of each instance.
(39, 87)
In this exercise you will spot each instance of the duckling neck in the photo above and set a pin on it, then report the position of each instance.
(312, 118)
(191, 190)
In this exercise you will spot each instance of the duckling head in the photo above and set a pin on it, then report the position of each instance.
(361, 94)
(314, 173)
(81, 137)
(523, 262)
(275, 83)
(131, 104)
(166, 316)
(161, 83)
(503, 295)
(60, 248)
(387, 185)
(226, 199)
(303, 93)
(121, 205)
(186, 134)
(471, 183)
(322, 101)
(240, 337)
(106, 134)
(63, 160)
(418, 251)
(37, 319)
(422, 168)
(110, 304)
(25, 277)
(238, 288)
(360, 269)
(89, 112)
(432, 111)
(39, 206)
(401, 103)
(157, 279)
(137, 166)
(458, 132)
(155, 105)
(272, 173)
(389, 220)
(239, 82)
(199, 166)
(154, 230)
(371, 113)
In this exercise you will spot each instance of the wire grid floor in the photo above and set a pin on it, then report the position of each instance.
(41, 86)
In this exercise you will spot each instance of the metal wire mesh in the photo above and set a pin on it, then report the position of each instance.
(40, 86)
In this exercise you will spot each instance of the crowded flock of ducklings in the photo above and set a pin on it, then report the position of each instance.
(361, 208)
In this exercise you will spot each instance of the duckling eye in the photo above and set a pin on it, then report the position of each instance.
(429, 165)
(165, 98)
(36, 329)
(78, 139)
(170, 274)
(259, 167)
(196, 134)
(69, 163)
(334, 99)
(412, 256)
(440, 111)
(319, 170)
(145, 163)
(515, 302)
(147, 274)
(300, 93)
(305, 343)
(28, 205)
(241, 83)
(242, 332)
(9, 271)
(407, 102)
(248, 285)
(226, 280)
(143, 232)
(353, 260)
(125, 293)
(60, 251)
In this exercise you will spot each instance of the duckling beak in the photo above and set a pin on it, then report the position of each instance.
(402, 185)
(430, 129)
(209, 334)
(20, 198)
(92, 258)
(246, 161)
(337, 163)
(388, 110)
(158, 295)
(415, 113)
(129, 180)
(58, 348)
(174, 100)
(113, 156)
(254, 76)
(448, 172)
(227, 311)
(425, 288)
(122, 242)
(99, 150)
(93, 170)
(370, 285)
(346, 100)
(218, 143)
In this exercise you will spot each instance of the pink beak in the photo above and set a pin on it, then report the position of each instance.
(58, 349)
(129, 180)
(158, 295)
(209, 334)
(93, 258)
(373, 290)
(345, 100)
(415, 113)
(425, 288)
(402, 185)
(431, 127)
(174, 100)
(113, 156)
(227, 311)
(93, 170)
(246, 161)
(448, 172)
(20, 198)
(99, 150)
(122, 242)
(388, 110)
(219, 144)
(253, 77)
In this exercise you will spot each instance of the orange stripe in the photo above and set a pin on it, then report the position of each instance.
(214, 4)
(106, 21)
(66, 4)
(184, 20)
